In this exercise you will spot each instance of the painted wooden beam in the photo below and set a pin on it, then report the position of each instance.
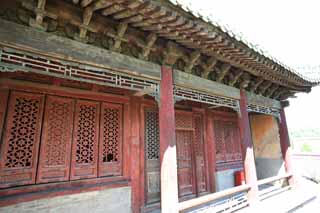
(247, 150)
(145, 91)
(194, 82)
(63, 48)
(168, 152)
(285, 146)
(262, 101)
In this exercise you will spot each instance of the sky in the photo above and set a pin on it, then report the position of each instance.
(288, 30)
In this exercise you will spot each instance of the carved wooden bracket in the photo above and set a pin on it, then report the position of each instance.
(223, 72)
(191, 60)
(208, 67)
(171, 54)
(41, 13)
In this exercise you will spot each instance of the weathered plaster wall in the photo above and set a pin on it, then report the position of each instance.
(110, 200)
(266, 144)
(225, 179)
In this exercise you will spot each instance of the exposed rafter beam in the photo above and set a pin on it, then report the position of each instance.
(224, 70)
(235, 78)
(191, 60)
(208, 67)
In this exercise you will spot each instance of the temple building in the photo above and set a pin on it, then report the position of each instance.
(137, 106)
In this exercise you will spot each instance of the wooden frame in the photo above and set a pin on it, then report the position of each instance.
(57, 91)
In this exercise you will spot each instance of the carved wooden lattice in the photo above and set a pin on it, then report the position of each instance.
(186, 181)
(152, 134)
(85, 142)
(219, 141)
(110, 140)
(227, 140)
(198, 148)
(21, 140)
(152, 143)
(55, 151)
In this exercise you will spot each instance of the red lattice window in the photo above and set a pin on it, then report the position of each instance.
(227, 140)
(21, 139)
(110, 140)
(85, 140)
(183, 120)
(54, 164)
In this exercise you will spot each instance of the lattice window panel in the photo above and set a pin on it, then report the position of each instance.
(264, 110)
(85, 140)
(21, 139)
(183, 120)
(13, 60)
(55, 150)
(111, 140)
(219, 140)
(152, 139)
(197, 96)
(228, 147)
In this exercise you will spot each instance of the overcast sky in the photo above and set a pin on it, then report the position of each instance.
(289, 30)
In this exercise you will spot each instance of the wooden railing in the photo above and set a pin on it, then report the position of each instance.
(273, 190)
(186, 205)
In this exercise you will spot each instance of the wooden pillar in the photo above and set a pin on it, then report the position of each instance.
(285, 145)
(135, 153)
(247, 150)
(168, 154)
(211, 151)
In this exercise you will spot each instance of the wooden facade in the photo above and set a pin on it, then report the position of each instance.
(110, 98)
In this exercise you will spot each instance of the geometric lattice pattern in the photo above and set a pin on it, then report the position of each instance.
(183, 121)
(219, 140)
(198, 96)
(86, 135)
(18, 60)
(152, 139)
(264, 110)
(227, 141)
(198, 141)
(111, 134)
(58, 125)
(22, 133)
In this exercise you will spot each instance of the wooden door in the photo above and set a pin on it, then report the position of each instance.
(152, 165)
(85, 140)
(199, 153)
(185, 157)
(55, 151)
(185, 165)
(19, 149)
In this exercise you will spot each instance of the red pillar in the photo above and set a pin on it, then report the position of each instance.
(168, 155)
(247, 150)
(135, 153)
(285, 145)
(211, 150)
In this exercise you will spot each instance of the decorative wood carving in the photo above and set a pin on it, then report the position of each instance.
(85, 140)
(110, 148)
(54, 162)
(19, 149)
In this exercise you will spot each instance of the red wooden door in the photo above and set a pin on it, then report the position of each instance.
(184, 160)
(19, 148)
(110, 148)
(54, 163)
(85, 140)
(198, 148)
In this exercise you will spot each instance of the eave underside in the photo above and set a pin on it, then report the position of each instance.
(153, 32)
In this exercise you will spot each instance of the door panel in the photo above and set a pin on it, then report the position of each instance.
(85, 140)
(54, 163)
(110, 161)
(184, 160)
(152, 156)
(19, 150)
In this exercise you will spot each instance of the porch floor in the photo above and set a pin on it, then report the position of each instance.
(302, 199)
